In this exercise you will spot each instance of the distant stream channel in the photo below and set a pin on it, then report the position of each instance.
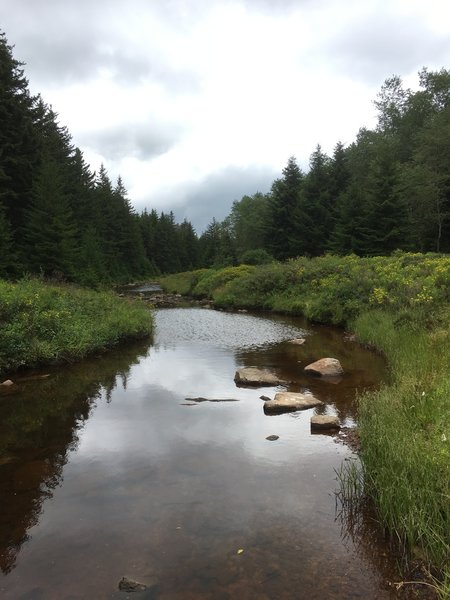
(108, 469)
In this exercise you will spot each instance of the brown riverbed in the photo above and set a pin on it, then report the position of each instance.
(107, 470)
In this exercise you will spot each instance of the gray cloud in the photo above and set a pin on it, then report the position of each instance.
(138, 140)
(383, 44)
(214, 195)
(65, 42)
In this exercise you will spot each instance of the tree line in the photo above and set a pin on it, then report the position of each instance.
(388, 190)
(57, 217)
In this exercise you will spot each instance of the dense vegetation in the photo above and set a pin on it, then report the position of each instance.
(327, 289)
(400, 305)
(388, 190)
(44, 324)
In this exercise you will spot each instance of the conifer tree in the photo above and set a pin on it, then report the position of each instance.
(7, 259)
(313, 215)
(18, 140)
(49, 229)
(282, 236)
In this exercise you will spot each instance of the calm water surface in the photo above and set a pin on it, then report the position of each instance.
(108, 468)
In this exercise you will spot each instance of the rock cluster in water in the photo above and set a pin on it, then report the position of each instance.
(328, 368)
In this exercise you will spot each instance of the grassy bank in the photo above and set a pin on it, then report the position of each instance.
(327, 289)
(43, 324)
(401, 305)
(405, 433)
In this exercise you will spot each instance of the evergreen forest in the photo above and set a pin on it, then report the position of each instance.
(388, 190)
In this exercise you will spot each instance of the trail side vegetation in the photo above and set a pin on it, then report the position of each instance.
(399, 305)
(46, 324)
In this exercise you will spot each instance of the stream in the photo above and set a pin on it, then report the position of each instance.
(109, 468)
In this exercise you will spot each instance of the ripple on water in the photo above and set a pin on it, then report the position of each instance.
(221, 329)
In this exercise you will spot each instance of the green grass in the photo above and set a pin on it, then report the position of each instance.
(405, 432)
(45, 324)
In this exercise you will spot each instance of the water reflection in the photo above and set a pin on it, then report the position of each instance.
(39, 428)
(151, 487)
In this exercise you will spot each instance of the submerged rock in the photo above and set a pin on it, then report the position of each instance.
(7, 383)
(252, 376)
(321, 422)
(290, 401)
(325, 367)
(297, 341)
(200, 399)
(128, 585)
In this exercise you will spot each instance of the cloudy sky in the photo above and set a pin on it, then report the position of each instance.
(198, 102)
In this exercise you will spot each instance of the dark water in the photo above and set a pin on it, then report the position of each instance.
(107, 470)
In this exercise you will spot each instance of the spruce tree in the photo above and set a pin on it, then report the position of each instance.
(313, 214)
(7, 258)
(49, 230)
(282, 236)
(18, 141)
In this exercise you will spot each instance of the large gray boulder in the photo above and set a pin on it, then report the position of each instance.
(290, 401)
(252, 376)
(325, 367)
(324, 422)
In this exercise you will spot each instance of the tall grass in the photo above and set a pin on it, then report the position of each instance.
(42, 324)
(405, 432)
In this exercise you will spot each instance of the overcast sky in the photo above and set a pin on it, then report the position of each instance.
(198, 102)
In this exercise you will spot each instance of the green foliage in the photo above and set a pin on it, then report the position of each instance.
(281, 228)
(182, 283)
(42, 324)
(404, 429)
(49, 226)
(258, 256)
(212, 282)
(328, 289)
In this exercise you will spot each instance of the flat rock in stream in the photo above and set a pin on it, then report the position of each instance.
(254, 377)
(325, 367)
(324, 422)
(290, 401)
